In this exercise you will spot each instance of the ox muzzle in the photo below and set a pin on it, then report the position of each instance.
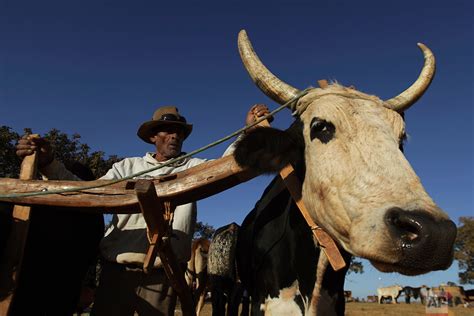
(426, 243)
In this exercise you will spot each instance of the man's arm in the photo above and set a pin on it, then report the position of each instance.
(49, 168)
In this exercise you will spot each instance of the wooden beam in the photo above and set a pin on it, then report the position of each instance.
(190, 185)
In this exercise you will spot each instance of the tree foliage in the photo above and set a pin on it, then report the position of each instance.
(356, 266)
(9, 162)
(67, 149)
(203, 230)
(464, 250)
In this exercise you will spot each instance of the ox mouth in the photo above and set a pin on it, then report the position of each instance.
(390, 267)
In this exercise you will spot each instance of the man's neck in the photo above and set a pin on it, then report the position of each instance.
(160, 158)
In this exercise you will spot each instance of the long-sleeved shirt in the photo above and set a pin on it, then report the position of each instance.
(126, 240)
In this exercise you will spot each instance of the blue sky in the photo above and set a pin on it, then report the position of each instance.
(100, 68)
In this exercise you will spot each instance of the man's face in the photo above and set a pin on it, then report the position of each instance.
(168, 141)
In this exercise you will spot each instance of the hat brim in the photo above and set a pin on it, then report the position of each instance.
(147, 129)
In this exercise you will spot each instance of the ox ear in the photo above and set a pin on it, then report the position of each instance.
(267, 150)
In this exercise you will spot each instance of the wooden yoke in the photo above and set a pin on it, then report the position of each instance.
(293, 185)
(10, 266)
(158, 215)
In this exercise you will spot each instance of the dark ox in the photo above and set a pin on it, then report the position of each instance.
(226, 289)
(413, 293)
(357, 184)
(61, 246)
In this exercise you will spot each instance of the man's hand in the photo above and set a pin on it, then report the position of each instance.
(255, 112)
(27, 145)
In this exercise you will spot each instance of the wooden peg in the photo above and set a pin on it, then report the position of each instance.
(10, 267)
(153, 210)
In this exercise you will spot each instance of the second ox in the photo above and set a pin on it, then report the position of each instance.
(346, 148)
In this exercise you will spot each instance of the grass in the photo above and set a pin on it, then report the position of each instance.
(375, 309)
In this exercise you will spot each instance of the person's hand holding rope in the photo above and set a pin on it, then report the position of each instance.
(255, 112)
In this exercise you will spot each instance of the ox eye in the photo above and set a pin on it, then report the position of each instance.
(322, 130)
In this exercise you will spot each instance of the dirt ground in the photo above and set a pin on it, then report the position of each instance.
(374, 309)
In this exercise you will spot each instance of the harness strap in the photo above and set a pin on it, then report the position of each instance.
(293, 184)
(325, 241)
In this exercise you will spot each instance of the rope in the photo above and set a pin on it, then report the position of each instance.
(169, 162)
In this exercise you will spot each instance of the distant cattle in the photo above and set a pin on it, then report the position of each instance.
(469, 295)
(392, 292)
(372, 298)
(345, 146)
(196, 272)
(412, 293)
(457, 292)
(348, 296)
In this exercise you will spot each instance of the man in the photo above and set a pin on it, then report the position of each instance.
(124, 289)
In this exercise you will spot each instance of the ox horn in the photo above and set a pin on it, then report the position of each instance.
(405, 99)
(273, 87)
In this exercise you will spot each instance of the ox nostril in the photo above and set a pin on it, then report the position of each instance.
(408, 228)
(425, 241)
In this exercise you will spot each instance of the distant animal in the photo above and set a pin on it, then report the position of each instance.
(458, 293)
(348, 296)
(412, 293)
(392, 292)
(226, 290)
(469, 294)
(345, 146)
(196, 272)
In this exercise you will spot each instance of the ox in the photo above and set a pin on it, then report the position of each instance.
(413, 292)
(61, 245)
(357, 184)
(392, 292)
(196, 271)
(224, 283)
(348, 296)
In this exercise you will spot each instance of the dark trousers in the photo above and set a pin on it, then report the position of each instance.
(125, 290)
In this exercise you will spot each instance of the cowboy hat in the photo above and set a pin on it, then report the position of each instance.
(165, 115)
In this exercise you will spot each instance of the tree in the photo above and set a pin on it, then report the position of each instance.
(356, 266)
(464, 250)
(203, 230)
(67, 149)
(9, 162)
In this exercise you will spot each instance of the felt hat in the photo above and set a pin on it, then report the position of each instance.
(165, 115)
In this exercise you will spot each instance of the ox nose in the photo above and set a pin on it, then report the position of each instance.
(426, 243)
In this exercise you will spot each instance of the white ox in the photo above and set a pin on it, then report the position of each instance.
(390, 291)
(356, 183)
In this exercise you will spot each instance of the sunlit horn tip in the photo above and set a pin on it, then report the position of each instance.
(271, 85)
(405, 99)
